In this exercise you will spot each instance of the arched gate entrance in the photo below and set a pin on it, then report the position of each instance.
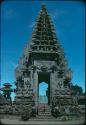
(44, 77)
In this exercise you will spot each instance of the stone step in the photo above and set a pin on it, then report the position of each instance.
(44, 113)
(41, 109)
(44, 118)
(47, 119)
(44, 108)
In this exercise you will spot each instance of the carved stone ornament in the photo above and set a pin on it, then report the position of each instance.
(54, 68)
(43, 68)
(28, 84)
(33, 67)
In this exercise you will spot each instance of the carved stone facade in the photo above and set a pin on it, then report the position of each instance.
(43, 60)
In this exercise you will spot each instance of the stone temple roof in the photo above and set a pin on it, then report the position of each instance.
(7, 84)
(6, 88)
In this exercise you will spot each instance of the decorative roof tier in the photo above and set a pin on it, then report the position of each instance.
(43, 43)
(44, 33)
(7, 84)
(7, 87)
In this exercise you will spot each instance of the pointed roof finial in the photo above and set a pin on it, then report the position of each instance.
(43, 6)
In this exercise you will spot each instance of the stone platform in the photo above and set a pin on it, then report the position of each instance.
(17, 122)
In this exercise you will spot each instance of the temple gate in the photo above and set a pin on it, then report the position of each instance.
(43, 60)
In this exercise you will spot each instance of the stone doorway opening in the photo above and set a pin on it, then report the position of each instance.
(43, 99)
(44, 88)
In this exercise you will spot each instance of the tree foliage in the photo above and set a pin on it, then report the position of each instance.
(76, 89)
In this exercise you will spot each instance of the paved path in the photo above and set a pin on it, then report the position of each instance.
(17, 122)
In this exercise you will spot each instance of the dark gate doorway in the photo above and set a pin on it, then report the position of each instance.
(44, 82)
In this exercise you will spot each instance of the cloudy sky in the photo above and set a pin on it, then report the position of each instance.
(17, 22)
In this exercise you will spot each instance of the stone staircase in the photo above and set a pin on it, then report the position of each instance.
(44, 113)
(44, 117)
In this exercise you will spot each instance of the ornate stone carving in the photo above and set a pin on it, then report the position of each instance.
(60, 85)
(33, 67)
(43, 68)
(53, 68)
(27, 83)
(44, 56)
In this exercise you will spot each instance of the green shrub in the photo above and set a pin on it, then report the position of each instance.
(64, 118)
(25, 115)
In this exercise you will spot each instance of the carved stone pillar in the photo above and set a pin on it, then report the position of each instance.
(51, 86)
(31, 78)
(35, 87)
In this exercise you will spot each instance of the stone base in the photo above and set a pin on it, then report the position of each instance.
(42, 122)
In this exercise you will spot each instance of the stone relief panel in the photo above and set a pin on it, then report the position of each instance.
(27, 83)
(41, 63)
(54, 82)
(44, 65)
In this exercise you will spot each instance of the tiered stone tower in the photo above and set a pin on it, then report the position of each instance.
(43, 60)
